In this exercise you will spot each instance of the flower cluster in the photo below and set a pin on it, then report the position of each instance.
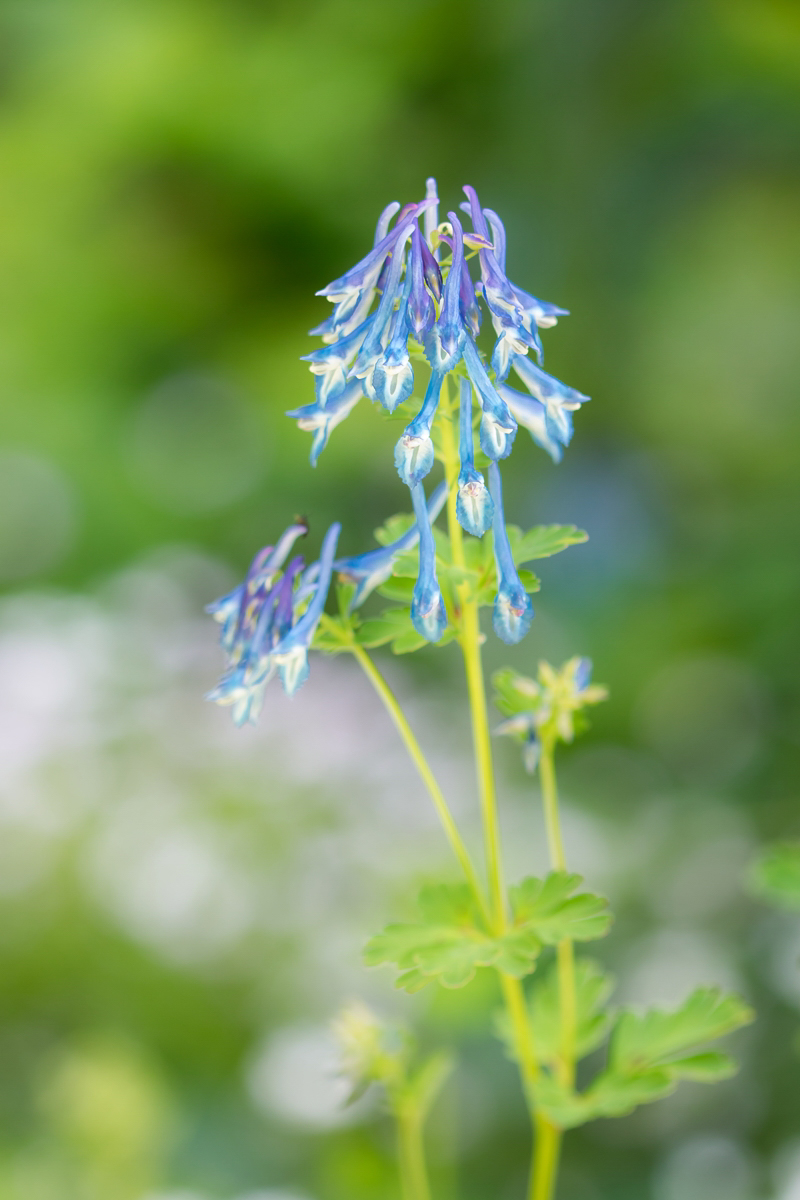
(269, 621)
(546, 706)
(412, 296)
(428, 305)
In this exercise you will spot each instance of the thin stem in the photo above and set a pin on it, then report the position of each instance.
(545, 1168)
(547, 776)
(470, 641)
(426, 774)
(411, 1156)
(565, 951)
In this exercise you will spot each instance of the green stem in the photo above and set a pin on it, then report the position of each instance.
(470, 642)
(546, 1135)
(544, 1183)
(565, 952)
(545, 1168)
(426, 774)
(411, 1155)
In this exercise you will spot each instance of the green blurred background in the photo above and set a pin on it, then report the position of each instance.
(183, 904)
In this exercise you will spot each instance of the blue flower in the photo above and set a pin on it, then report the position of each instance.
(291, 653)
(266, 626)
(444, 344)
(238, 612)
(428, 614)
(353, 293)
(427, 298)
(373, 345)
(474, 506)
(368, 571)
(498, 427)
(413, 454)
(320, 419)
(392, 373)
(426, 283)
(531, 413)
(513, 610)
(559, 400)
(330, 363)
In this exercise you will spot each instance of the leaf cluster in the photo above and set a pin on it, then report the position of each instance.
(649, 1053)
(451, 941)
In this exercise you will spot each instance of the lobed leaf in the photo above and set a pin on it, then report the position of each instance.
(648, 1059)
(449, 944)
(548, 907)
(543, 540)
(655, 1038)
(393, 528)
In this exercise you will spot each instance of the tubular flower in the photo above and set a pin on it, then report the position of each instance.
(427, 605)
(368, 571)
(268, 623)
(414, 292)
(474, 506)
(559, 400)
(513, 610)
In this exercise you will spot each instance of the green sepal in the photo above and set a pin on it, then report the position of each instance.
(775, 876)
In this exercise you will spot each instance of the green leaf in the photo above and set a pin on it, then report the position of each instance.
(406, 566)
(529, 581)
(398, 589)
(655, 1038)
(543, 540)
(648, 1059)
(478, 553)
(710, 1067)
(450, 944)
(376, 633)
(776, 875)
(393, 528)
(592, 989)
(549, 908)
(616, 1095)
(408, 642)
